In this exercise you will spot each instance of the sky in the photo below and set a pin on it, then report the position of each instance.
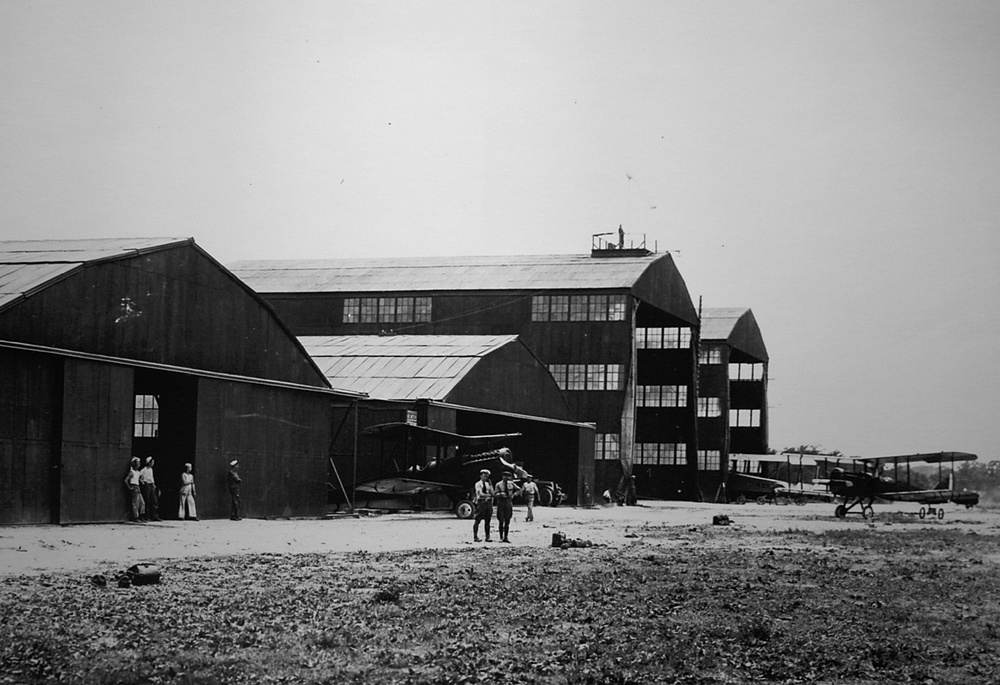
(833, 165)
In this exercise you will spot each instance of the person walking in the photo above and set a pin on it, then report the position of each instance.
(187, 510)
(483, 501)
(132, 483)
(147, 484)
(235, 510)
(530, 492)
(504, 493)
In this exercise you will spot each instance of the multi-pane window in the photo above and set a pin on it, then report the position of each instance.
(744, 418)
(709, 460)
(709, 407)
(606, 446)
(587, 376)
(661, 453)
(710, 354)
(352, 309)
(746, 372)
(386, 309)
(146, 416)
(668, 338)
(578, 308)
(661, 396)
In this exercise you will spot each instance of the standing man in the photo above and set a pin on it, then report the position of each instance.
(147, 484)
(234, 491)
(132, 483)
(530, 492)
(483, 499)
(187, 496)
(504, 493)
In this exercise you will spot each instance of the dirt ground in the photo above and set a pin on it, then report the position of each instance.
(98, 548)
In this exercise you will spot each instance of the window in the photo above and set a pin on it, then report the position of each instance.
(146, 417)
(709, 407)
(558, 372)
(709, 460)
(576, 377)
(578, 308)
(662, 338)
(404, 309)
(744, 418)
(606, 446)
(369, 310)
(560, 308)
(598, 308)
(352, 310)
(661, 396)
(746, 372)
(422, 309)
(661, 453)
(616, 307)
(540, 308)
(710, 354)
(587, 376)
(386, 309)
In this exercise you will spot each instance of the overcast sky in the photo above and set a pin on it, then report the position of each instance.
(833, 165)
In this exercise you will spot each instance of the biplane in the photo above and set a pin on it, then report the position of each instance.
(451, 471)
(775, 478)
(868, 480)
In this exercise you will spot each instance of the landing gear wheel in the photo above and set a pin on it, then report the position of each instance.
(741, 499)
(868, 513)
(923, 513)
(840, 512)
(940, 514)
(464, 509)
(762, 500)
(545, 497)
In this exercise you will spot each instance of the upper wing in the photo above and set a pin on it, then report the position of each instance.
(926, 458)
(406, 487)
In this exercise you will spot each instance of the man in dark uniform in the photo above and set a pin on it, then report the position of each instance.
(504, 493)
(235, 514)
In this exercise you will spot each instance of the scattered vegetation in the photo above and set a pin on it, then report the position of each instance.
(703, 605)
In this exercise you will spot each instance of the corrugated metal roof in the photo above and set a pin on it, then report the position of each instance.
(717, 323)
(27, 265)
(531, 272)
(400, 367)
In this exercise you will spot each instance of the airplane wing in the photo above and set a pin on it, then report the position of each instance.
(404, 487)
(925, 458)
(400, 431)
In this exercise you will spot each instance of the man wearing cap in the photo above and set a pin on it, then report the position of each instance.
(234, 491)
(504, 493)
(530, 491)
(147, 484)
(483, 499)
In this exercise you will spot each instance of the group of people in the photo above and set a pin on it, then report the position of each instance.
(485, 494)
(145, 494)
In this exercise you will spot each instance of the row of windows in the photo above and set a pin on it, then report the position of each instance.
(588, 376)
(709, 407)
(387, 309)
(661, 453)
(744, 418)
(662, 338)
(661, 395)
(709, 460)
(746, 372)
(578, 308)
(606, 446)
(710, 355)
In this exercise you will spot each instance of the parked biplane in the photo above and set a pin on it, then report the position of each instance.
(867, 480)
(451, 471)
(775, 478)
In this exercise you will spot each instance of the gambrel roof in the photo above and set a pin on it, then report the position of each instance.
(737, 327)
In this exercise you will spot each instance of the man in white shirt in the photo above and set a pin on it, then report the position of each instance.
(483, 500)
(530, 492)
(147, 484)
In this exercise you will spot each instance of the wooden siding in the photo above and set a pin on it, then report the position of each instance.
(173, 306)
(281, 438)
(30, 407)
(96, 441)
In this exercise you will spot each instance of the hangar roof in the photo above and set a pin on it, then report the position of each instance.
(511, 272)
(737, 327)
(27, 265)
(400, 367)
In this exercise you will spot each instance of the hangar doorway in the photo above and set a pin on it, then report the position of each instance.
(163, 427)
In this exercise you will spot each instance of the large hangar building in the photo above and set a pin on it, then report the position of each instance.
(149, 347)
(616, 328)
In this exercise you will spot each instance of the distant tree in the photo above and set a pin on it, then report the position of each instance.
(813, 449)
